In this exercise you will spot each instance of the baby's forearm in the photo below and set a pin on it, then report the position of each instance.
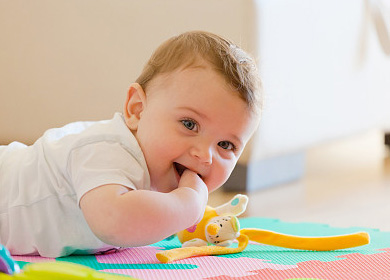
(138, 217)
(158, 215)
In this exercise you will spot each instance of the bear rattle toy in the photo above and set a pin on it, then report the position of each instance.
(219, 227)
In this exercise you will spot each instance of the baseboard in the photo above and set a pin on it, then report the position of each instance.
(387, 139)
(266, 173)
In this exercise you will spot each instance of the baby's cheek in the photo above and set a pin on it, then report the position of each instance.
(219, 175)
(216, 179)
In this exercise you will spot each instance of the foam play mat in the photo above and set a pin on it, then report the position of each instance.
(257, 261)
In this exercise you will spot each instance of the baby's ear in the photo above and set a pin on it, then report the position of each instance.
(134, 106)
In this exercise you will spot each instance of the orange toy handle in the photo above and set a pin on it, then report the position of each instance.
(182, 253)
(321, 243)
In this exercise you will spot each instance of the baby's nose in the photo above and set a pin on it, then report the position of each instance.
(203, 153)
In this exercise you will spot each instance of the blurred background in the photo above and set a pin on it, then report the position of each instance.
(319, 153)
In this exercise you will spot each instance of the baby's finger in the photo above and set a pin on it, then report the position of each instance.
(191, 180)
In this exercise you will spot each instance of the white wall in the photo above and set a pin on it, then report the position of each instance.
(324, 72)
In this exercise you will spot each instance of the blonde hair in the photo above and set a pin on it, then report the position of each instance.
(235, 65)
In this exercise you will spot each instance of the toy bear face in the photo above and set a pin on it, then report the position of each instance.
(221, 229)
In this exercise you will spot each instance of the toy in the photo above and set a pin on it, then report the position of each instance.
(7, 264)
(219, 227)
(9, 270)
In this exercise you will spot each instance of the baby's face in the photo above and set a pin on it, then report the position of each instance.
(192, 119)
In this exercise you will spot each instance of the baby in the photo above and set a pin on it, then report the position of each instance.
(144, 175)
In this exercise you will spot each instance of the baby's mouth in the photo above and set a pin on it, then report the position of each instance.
(179, 168)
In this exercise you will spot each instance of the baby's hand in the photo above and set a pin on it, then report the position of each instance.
(192, 180)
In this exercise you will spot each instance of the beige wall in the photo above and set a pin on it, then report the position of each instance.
(62, 61)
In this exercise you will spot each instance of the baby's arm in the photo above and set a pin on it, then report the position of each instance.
(126, 218)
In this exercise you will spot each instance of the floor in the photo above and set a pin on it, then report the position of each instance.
(347, 183)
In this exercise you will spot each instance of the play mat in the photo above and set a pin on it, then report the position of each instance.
(257, 261)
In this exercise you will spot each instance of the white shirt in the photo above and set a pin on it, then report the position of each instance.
(41, 185)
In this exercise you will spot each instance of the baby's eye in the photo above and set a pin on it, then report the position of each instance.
(226, 145)
(189, 124)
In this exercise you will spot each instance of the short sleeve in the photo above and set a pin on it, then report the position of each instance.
(104, 163)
